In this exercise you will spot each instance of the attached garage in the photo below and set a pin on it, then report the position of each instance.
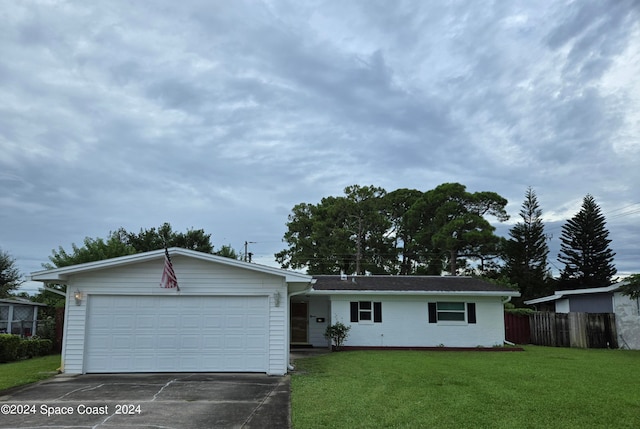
(226, 315)
(190, 333)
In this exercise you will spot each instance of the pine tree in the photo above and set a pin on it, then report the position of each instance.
(527, 250)
(585, 249)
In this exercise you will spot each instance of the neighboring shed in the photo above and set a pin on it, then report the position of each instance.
(19, 316)
(402, 311)
(227, 315)
(599, 300)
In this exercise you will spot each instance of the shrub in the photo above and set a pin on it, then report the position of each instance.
(520, 311)
(47, 328)
(45, 346)
(337, 333)
(9, 347)
(12, 347)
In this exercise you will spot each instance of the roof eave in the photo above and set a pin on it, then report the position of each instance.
(61, 275)
(48, 278)
(559, 294)
(544, 299)
(413, 292)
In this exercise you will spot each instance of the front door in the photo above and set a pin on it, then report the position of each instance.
(299, 322)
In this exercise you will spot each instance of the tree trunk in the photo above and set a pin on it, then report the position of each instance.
(453, 262)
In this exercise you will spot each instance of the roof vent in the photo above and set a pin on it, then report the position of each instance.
(343, 276)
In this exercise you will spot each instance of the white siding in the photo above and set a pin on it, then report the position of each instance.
(195, 277)
(73, 339)
(405, 323)
(627, 313)
(278, 347)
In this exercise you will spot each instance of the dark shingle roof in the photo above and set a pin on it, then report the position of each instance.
(406, 283)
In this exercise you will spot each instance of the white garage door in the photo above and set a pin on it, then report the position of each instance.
(178, 333)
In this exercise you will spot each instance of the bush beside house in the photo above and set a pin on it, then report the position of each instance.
(12, 347)
(337, 333)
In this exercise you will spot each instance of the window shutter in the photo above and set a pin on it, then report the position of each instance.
(433, 313)
(377, 312)
(471, 312)
(354, 311)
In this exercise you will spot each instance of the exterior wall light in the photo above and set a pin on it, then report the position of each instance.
(276, 298)
(78, 297)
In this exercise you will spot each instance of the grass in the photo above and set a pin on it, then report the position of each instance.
(27, 371)
(540, 387)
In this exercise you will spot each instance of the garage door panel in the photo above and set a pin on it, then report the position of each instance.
(212, 321)
(255, 321)
(145, 342)
(120, 362)
(190, 321)
(145, 321)
(253, 342)
(168, 342)
(181, 333)
(190, 342)
(212, 342)
(234, 321)
(168, 321)
(122, 342)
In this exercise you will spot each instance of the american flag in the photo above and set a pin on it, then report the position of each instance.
(169, 279)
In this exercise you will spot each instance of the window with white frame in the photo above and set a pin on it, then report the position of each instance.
(449, 311)
(366, 312)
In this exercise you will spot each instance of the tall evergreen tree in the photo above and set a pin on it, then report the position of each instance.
(397, 204)
(527, 251)
(585, 249)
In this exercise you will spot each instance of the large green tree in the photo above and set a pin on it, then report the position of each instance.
(402, 232)
(157, 238)
(10, 277)
(452, 225)
(396, 204)
(584, 249)
(526, 251)
(349, 233)
(123, 242)
(369, 226)
(92, 249)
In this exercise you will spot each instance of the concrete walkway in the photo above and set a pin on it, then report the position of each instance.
(297, 353)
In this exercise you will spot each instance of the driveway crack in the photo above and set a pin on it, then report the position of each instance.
(266, 397)
(106, 419)
(81, 389)
(167, 384)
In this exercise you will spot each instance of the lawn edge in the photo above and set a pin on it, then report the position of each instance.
(436, 349)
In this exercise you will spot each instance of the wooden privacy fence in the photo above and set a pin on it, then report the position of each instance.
(516, 328)
(583, 330)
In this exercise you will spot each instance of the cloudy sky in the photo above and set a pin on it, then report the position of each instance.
(223, 115)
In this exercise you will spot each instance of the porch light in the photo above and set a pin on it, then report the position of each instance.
(276, 298)
(78, 296)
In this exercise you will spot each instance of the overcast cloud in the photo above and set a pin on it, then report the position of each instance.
(223, 115)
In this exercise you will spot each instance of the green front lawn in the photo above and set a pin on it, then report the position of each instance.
(27, 371)
(540, 387)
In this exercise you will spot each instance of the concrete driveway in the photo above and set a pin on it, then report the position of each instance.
(150, 401)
